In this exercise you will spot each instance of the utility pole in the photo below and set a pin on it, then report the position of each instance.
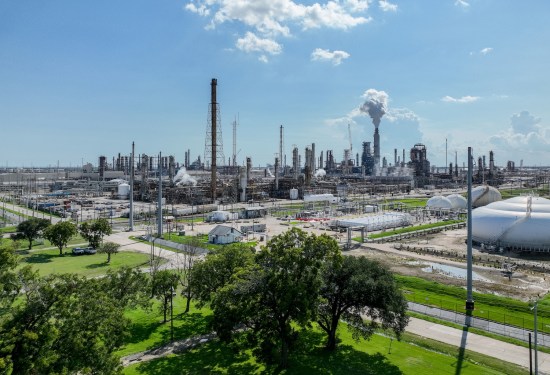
(131, 215)
(159, 216)
(469, 297)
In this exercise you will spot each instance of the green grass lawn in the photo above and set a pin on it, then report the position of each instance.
(202, 240)
(379, 355)
(487, 306)
(42, 243)
(148, 331)
(49, 261)
(410, 202)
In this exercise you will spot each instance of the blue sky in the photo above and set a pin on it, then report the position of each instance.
(79, 79)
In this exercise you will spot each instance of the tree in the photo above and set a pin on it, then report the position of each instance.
(216, 270)
(129, 286)
(31, 229)
(94, 231)
(277, 294)
(184, 266)
(355, 288)
(108, 248)
(63, 324)
(60, 234)
(164, 285)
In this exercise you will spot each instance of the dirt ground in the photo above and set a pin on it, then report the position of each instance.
(524, 284)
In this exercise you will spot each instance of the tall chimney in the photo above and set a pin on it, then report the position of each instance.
(395, 157)
(376, 147)
(213, 85)
(276, 173)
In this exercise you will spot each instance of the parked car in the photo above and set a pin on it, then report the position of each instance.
(89, 250)
(78, 251)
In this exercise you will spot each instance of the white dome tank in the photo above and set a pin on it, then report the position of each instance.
(483, 195)
(521, 223)
(458, 201)
(123, 191)
(439, 201)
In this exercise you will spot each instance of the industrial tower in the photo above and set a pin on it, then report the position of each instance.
(213, 145)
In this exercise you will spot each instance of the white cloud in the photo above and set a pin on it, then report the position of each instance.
(462, 3)
(335, 57)
(387, 6)
(275, 18)
(252, 43)
(464, 99)
(486, 50)
(396, 114)
(357, 5)
(525, 134)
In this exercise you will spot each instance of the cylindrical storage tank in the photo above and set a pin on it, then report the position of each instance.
(458, 201)
(123, 191)
(293, 194)
(483, 195)
(438, 202)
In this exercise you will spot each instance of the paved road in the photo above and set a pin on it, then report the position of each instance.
(477, 343)
(486, 325)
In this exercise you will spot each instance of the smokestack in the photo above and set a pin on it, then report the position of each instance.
(321, 160)
(214, 104)
(491, 162)
(248, 168)
(395, 157)
(403, 157)
(276, 173)
(313, 161)
(295, 163)
(376, 147)
(281, 129)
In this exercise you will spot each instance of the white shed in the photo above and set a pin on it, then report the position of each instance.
(222, 234)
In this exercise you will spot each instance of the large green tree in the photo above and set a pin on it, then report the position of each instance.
(184, 265)
(95, 230)
(60, 234)
(65, 324)
(276, 295)
(31, 229)
(356, 288)
(217, 269)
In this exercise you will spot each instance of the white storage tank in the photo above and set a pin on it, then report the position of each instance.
(483, 195)
(458, 201)
(123, 191)
(293, 194)
(439, 202)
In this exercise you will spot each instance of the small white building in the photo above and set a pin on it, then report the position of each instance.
(222, 234)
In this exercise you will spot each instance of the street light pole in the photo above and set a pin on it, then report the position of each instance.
(534, 308)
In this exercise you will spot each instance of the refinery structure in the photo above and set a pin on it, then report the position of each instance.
(330, 182)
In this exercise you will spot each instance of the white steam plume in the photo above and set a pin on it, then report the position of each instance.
(183, 178)
(375, 105)
(320, 173)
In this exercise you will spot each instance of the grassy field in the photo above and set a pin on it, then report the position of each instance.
(487, 306)
(203, 240)
(41, 243)
(148, 331)
(49, 261)
(410, 202)
(380, 355)
(509, 193)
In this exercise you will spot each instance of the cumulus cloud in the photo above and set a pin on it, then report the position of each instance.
(335, 57)
(525, 133)
(464, 99)
(252, 43)
(271, 19)
(387, 6)
(462, 3)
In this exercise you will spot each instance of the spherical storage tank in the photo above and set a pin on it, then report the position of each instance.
(483, 195)
(438, 202)
(520, 223)
(123, 191)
